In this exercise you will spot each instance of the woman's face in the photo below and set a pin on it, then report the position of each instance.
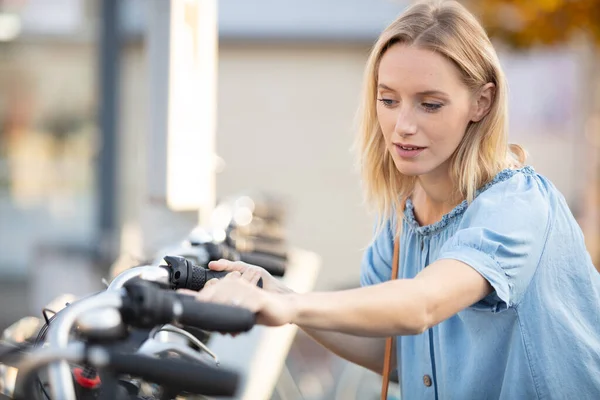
(423, 108)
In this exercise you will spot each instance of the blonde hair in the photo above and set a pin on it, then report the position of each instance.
(446, 28)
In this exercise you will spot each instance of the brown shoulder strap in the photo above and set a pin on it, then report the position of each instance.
(389, 342)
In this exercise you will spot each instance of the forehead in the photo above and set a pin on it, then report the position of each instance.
(404, 67)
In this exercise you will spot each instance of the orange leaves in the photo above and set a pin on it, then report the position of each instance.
(524, 23)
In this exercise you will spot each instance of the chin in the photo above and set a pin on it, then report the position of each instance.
(411, 168)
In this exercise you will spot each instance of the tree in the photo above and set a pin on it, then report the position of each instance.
(523, 24)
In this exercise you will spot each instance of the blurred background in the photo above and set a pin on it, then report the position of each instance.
(123, 122)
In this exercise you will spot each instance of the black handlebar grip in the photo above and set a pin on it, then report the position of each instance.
(210, 274)
(177, 374)
(215, 317)
(184, 274)
(200, 275)
(274, 265)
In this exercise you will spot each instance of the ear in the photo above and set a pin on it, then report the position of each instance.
(483, 102)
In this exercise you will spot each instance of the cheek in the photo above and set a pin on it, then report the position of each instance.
(448, 129)
(387, 122)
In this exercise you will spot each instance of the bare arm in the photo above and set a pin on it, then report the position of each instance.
(400, 307)
(367, 352)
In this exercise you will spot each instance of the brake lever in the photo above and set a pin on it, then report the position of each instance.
(153, 346)
(191, 338)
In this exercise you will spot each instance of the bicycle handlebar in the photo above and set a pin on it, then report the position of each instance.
(274, 265)
(185, 275)
(182, 375)
(216, 317)
(206, 247)
(141, 304)
(145, 306)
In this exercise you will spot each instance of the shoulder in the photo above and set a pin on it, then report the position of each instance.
(513, 194)
(503, 234)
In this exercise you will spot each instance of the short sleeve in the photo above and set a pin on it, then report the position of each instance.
(502, 236)
(376, 265)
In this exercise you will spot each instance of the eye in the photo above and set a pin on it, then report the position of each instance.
(431, 107)
(389, 103)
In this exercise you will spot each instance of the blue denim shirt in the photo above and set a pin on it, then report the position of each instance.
(537, 335)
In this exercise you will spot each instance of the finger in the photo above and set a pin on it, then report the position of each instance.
(211, 282)
(219, 265)
(232, 275)
(222, 290)
(252, 275)
(207, 294)
(249, 274)
(225, 265)
(187, 292)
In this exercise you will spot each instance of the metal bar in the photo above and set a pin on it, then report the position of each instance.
(109, 59)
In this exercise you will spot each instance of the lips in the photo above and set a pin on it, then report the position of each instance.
(408, 146)
(408, 150)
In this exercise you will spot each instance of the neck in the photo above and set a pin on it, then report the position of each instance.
(434, 196)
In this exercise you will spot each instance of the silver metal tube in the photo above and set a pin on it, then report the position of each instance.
(59, 374)
(37, 359)
(146, 272)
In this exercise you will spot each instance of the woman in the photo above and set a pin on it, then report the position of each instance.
(496, 297)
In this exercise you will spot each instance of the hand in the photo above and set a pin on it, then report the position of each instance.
(250, 273)
(272, 309)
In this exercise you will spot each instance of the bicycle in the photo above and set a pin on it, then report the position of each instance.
(93, 334)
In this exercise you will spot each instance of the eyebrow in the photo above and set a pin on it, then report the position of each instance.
(423, 93)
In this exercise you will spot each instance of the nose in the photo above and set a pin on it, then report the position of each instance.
(405, 123)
